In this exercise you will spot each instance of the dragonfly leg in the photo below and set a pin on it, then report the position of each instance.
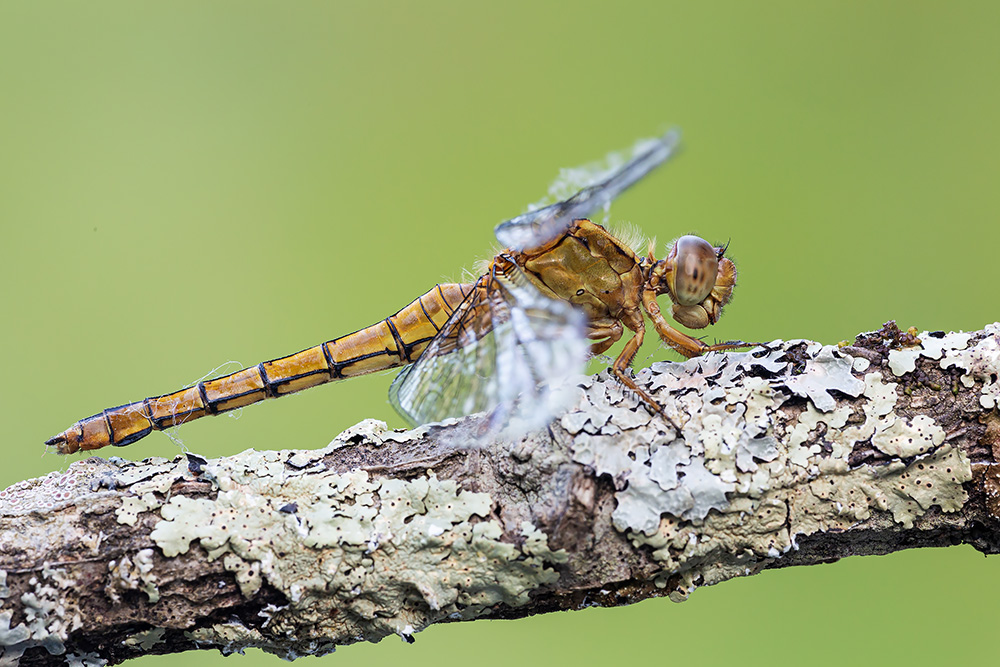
(686, 345)
(624, 360)
(606, 335)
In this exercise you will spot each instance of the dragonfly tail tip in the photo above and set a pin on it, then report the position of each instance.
(60, 444)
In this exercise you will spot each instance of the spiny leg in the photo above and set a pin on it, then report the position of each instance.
(686, 345)
(609, 333)
(622, 363)
(606, 335)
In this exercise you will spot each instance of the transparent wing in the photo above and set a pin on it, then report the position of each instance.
(536, 228)
(494, 353)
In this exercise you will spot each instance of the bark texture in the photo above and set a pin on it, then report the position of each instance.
(789, 454)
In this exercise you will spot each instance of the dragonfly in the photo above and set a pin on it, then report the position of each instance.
(563, 289)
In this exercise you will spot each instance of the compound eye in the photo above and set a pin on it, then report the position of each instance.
(696, 266)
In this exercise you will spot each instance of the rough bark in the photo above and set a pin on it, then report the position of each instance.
(790, 454)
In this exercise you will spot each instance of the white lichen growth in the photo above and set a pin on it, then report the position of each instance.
(131, 574)
(904, 360)
(825, 372)
(980, 363)
(146, 639)
(55, 490)
(235, 637)
(86, 659)
(133, 506)
(728, 481)
(47, 622)
(741, 481)
(358, 554)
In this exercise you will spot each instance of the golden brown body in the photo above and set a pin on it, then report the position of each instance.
(585, 266)
(567, 258)
(395, 341)
(595, 271)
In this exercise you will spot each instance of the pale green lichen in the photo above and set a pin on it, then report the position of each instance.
(11, 636)
(131, 574)
(904, 361)
(55, 490)
(354, 555)
(905, 490)
(133, 506)
(825, 372)
(902, 438)
(742, 480)
(727, 483)
(146, 639)
(85, 660)
(932, 346)
(234, 638)
(47, 623)
(981, 363)
(536, 545)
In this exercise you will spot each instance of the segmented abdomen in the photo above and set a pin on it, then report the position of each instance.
(395, 341)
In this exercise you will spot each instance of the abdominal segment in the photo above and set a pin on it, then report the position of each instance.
(395, 341)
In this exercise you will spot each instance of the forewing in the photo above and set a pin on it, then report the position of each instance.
(536, 228)
(494, 353)
(447, 380)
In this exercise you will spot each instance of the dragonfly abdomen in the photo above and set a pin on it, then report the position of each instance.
(395, 341)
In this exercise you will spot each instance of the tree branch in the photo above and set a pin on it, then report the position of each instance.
(790, 454)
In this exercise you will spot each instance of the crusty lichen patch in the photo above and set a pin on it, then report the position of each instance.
(355, 555)
(146, 639)
(758, 450)
(980, 362)
(129, 574)
(732, 481)
(47, 622)
(55, 490)
(86, 659)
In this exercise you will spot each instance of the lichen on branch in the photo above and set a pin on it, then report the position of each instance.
(790, 453)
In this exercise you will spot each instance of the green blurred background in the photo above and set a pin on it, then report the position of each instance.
(188, 183)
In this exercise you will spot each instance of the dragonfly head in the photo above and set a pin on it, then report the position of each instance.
(698, 278)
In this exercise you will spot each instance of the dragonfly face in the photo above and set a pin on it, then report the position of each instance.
(698, 279)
